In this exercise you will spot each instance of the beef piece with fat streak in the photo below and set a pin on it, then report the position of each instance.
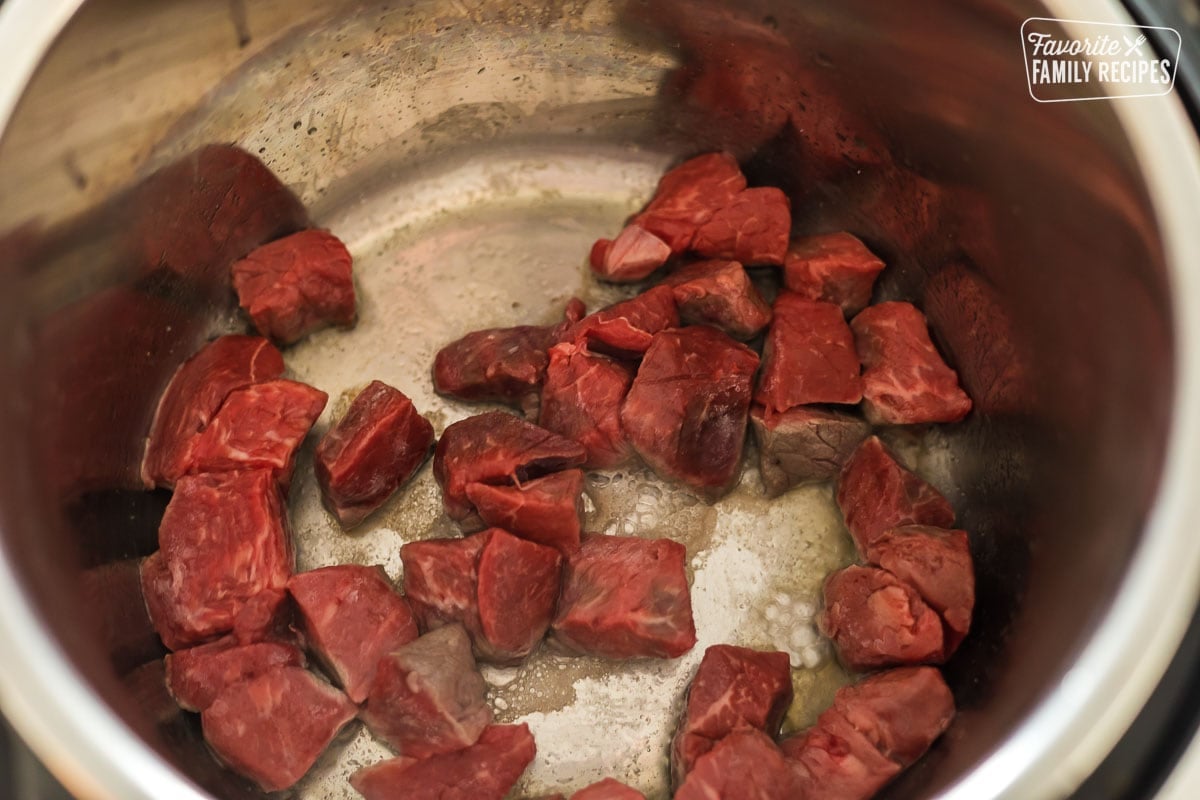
(370, 452)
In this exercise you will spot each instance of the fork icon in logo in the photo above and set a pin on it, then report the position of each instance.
(1131, 47)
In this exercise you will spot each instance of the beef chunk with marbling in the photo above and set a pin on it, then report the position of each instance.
(371, 452)
(500, 449)
(353, 616)
(905, 380)
(625, 597)
(427, 697)
(295, 285)
(686, 411)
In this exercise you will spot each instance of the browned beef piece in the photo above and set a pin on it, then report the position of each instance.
(937, 563)
(752, 229)
(192, 398)
(905, 380)
(197, 675)
(719, 293)
(427, 697)
(688, 196)
(223, 539)
(297, 284)
(745, 765)
(686, 411)
(259, 427)
(876, 620)
(484, 771)
(803, 444)
(608, 789)
(734, 687)
(546, 510)
(625, 329)
(273, 728)
(503, 365)
(874, 729)
(876, 493)
(809, 356)
(501, 588)
(834, 761)
(832, 268)
(353, 617)
(371, 452)
(582, 401)
(631, 257)
(626, 597)
(496, 448)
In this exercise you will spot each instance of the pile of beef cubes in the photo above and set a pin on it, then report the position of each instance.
(673, 377)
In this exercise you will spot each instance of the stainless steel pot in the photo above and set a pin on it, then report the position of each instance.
(1053, 246)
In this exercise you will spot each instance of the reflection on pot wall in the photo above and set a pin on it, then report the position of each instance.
(1021, 229)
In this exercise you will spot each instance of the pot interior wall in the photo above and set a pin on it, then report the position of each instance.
(1022, 229)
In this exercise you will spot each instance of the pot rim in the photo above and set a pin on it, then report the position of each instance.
(1048, 754)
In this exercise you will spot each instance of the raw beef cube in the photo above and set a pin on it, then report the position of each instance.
(427, 696)
(719, 293)
(900, 711)
(496, 448)
(484, 771)
(937, 563)
(441, 581)
(501, 588)
(688, 196)
(223, 539)
(809, 356)
(582, 401)
(504, 365)
(259, 427)
(734, 687)
(273, 728)
(686, 411)
(745, 765)
(905, 380)
(518, 589)
(625, 330)
(833, 268)
(833, 761)
(874, 729)
(608, 789)
(632, 256)
(197, 675)
(876, 494)
(753, 229)
(371, 452)
(192, 398)
(624, 597)
(876, 620)
(297, 284)
(353, 617)
(545, 510)
(803, 445)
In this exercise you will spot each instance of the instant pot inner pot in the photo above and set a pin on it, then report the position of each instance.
(469, 153)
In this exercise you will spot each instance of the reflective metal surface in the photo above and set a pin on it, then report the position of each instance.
(1049, 245)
